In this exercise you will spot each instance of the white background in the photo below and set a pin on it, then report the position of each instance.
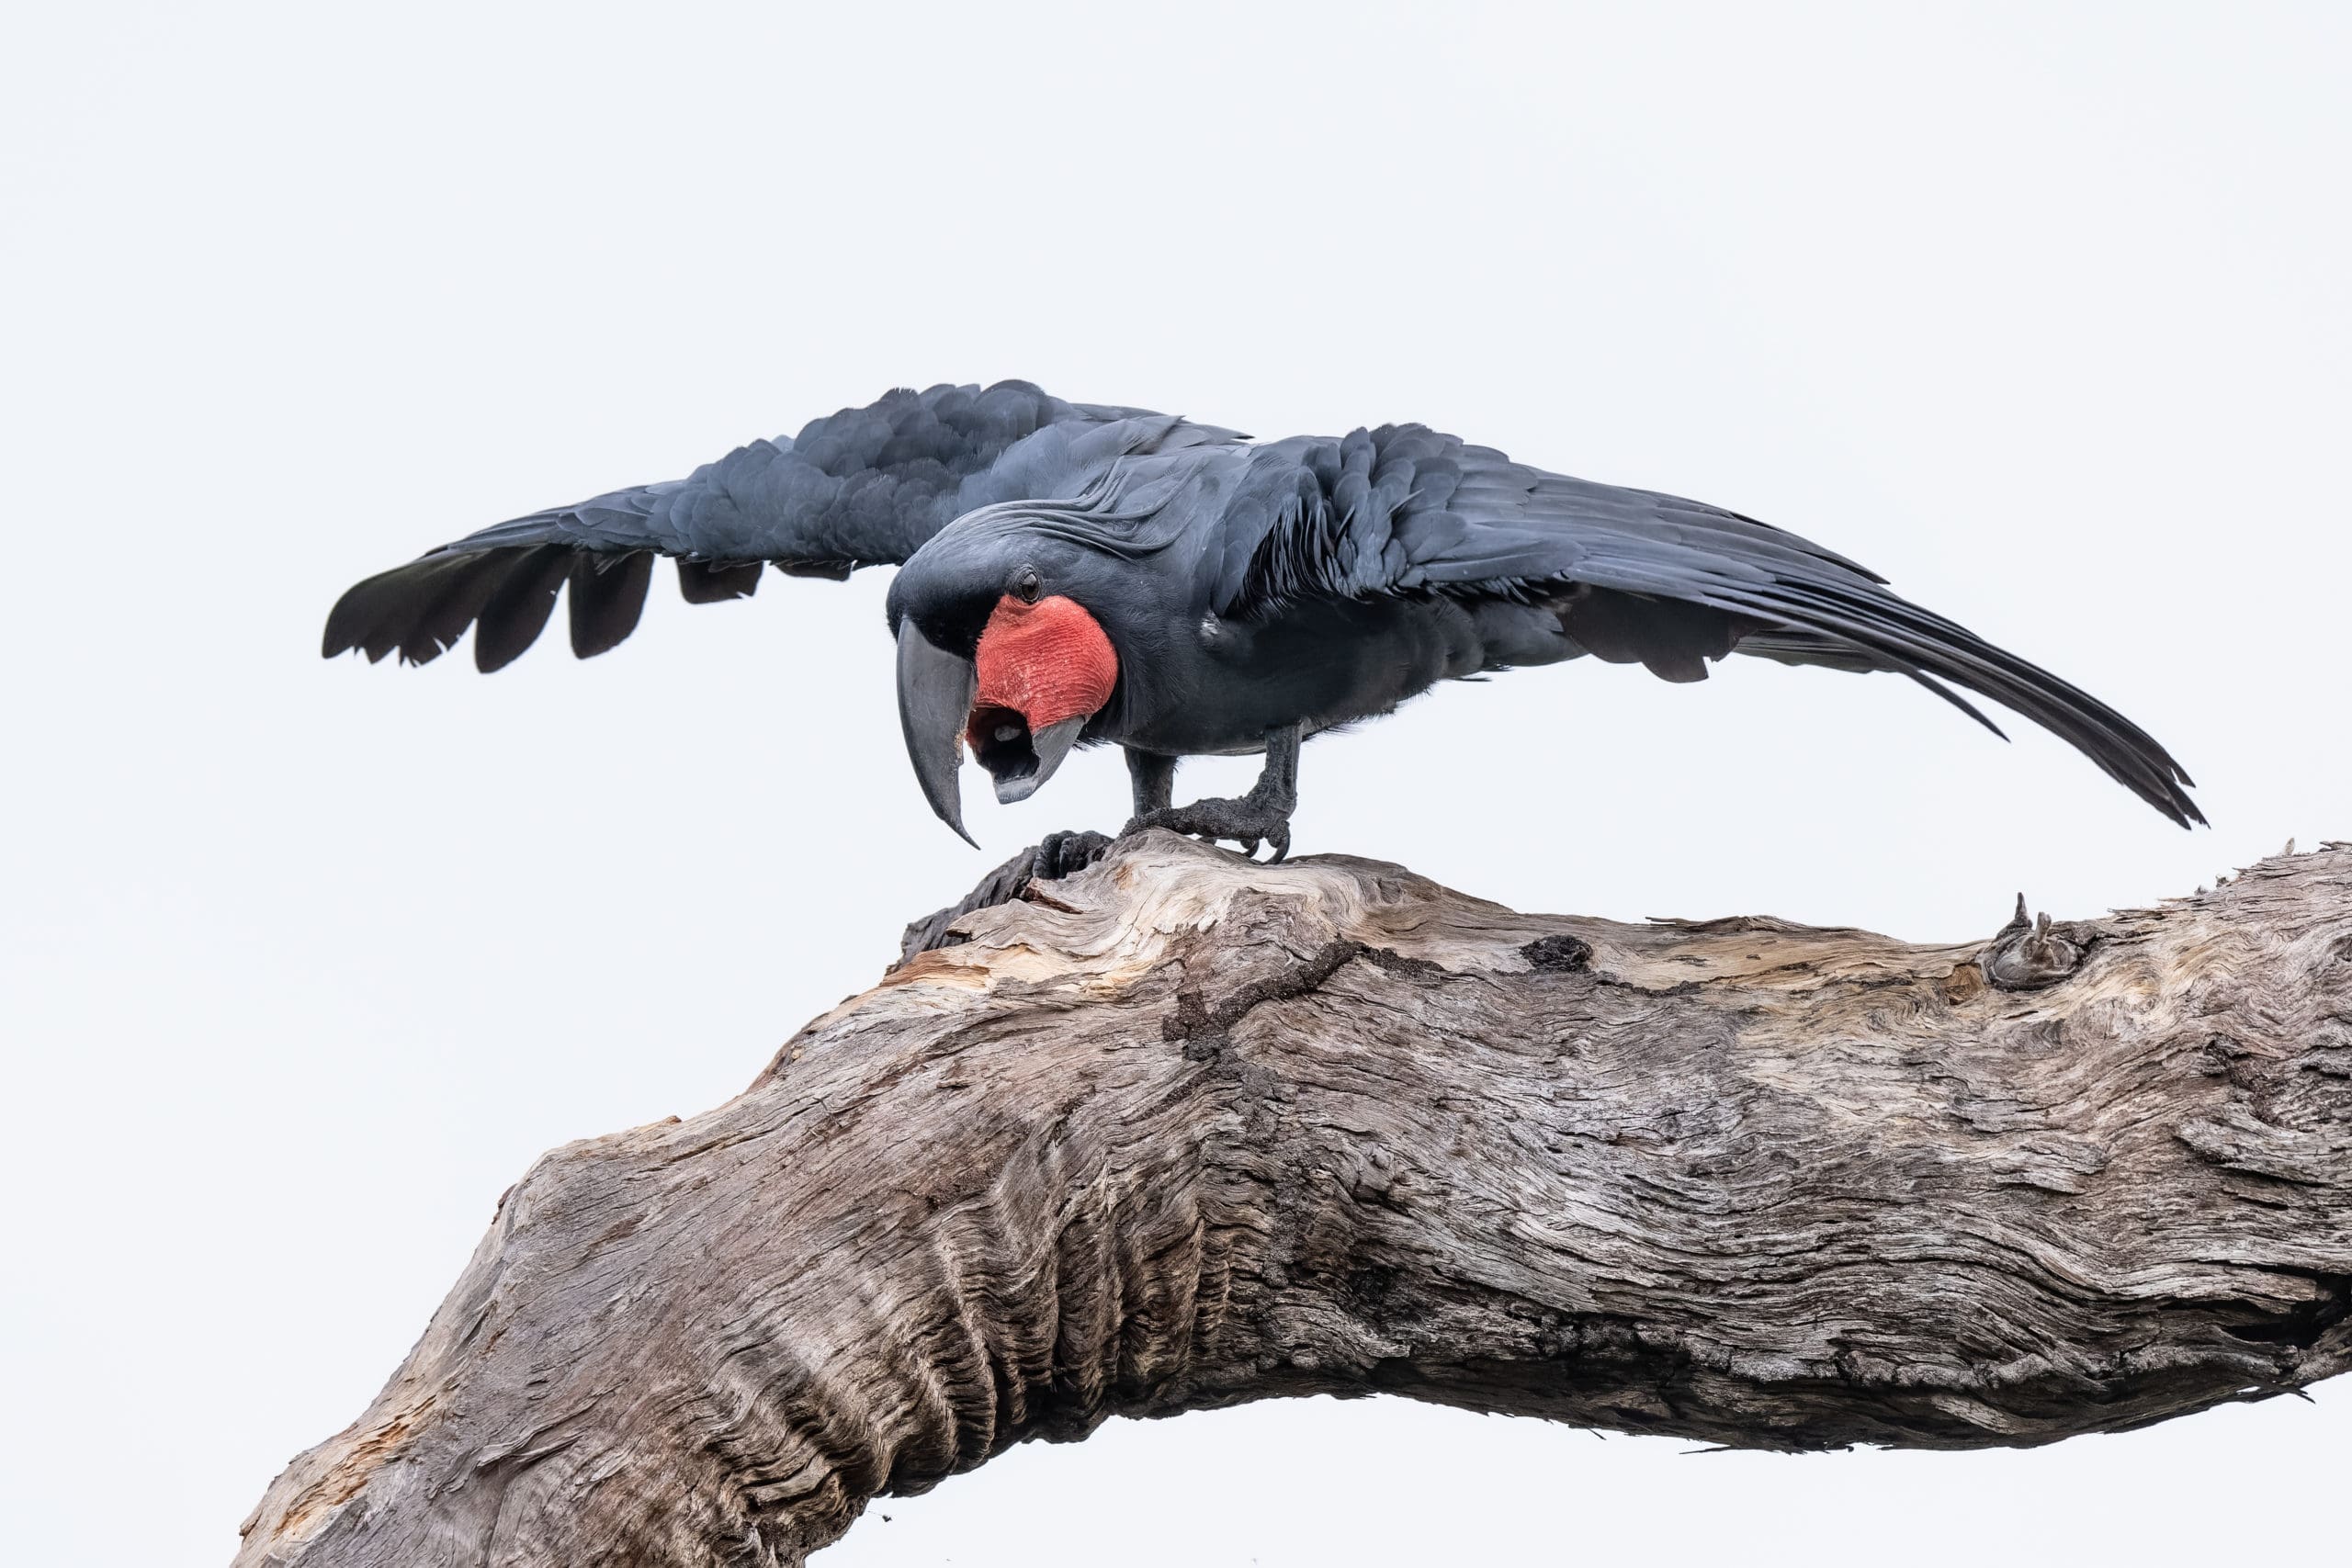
(2039, 311)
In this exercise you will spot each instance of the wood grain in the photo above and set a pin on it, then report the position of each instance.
(1183, 1131)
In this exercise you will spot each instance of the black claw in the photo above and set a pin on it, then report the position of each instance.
(1246, 822)
(1060, 855)
(1067, 854)
(1261, 816)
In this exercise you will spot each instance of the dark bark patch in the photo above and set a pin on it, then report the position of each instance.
(1558, 953)
(1204, 1028)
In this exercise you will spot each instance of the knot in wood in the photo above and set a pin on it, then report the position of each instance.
(2027, 955)
(1557, 954)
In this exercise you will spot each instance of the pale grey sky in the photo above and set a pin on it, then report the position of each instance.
(2038, 310)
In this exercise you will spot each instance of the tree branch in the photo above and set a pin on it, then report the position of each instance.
(1183, 1131)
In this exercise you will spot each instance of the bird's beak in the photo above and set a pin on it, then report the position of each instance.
(1051, 745)
(1040, 670)
(934, 698)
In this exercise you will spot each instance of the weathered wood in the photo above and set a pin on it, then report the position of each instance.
(1183, 1131)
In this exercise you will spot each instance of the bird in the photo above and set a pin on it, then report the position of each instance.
(1082, 574)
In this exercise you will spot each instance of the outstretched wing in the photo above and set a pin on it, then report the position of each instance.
(862, 487)
(1628, 575)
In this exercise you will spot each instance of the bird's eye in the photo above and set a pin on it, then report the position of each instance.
(1026, 582)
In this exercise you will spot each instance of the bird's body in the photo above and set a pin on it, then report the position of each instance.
(1079, 573)
(1321, 666)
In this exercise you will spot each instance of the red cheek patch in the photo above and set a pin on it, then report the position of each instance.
(1046, 662)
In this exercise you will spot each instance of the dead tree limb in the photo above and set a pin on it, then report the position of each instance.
(1183, 1131)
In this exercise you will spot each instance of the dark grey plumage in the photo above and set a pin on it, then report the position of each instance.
(864, 487)
(1631, 576)
(1250, 590)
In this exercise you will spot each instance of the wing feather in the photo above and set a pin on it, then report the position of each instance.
(607, 596)
(1633, 575)
(516, 610)
(862, 487)
(712, 583)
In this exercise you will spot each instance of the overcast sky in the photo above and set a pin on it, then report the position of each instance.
(2039, 311)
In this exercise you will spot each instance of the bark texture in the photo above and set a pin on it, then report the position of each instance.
(1182, 1132)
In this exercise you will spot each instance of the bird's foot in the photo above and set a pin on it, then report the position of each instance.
(1067, 854)
(1060, 855)
(1248, 820)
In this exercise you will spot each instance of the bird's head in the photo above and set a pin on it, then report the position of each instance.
(996, 651)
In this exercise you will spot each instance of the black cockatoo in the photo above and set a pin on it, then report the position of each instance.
(1072, 574)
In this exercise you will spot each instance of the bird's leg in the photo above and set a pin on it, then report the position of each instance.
(1261, 814)
(1154, 778)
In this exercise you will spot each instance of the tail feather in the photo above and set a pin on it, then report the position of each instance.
(1922, 645)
